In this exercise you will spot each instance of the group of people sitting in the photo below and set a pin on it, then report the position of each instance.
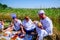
(25, 30)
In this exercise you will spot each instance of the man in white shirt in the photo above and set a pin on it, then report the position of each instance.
(46, 23)
(28, 26)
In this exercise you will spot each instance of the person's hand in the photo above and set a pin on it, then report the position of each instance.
(22, 36)
(37, 38)
(21, 27)
(18, 32)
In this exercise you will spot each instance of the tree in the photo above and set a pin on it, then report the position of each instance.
(4, 6)
(0, 4)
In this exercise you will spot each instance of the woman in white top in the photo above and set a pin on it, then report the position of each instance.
(1, 25)
(17, 23)
(29, 27)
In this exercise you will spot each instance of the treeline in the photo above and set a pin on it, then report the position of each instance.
(3, 6)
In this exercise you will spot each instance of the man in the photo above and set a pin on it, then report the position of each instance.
(29, 27)
(46, 23)
(17, 23)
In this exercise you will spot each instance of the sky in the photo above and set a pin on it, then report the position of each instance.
(31, 3)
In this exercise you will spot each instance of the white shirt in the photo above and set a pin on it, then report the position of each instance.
(17, 24)
(28, 25)
(47, 25)
(41, 32)
(1, 26)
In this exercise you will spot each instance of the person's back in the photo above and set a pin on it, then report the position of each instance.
(1, 26)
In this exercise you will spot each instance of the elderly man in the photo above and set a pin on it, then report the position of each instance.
(46, 23)
(29, 27)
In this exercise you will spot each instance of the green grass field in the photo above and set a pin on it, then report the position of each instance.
(53, 13)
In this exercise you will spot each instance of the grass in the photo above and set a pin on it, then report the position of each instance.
(53, 13)
(6, 24)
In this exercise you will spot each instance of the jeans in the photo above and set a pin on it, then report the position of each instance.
(28, 37)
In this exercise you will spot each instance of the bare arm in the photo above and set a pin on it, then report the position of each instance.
(22, 29)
